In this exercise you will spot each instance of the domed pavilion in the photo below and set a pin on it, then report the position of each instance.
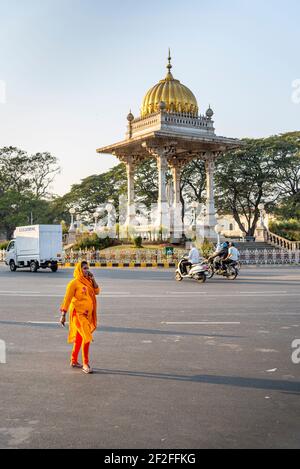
(171, 130)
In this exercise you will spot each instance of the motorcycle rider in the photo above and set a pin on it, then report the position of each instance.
(233, 255)
(193, 258)
(220, 255)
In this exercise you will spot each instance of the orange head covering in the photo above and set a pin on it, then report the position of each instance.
(78, 274)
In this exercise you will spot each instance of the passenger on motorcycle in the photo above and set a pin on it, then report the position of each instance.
(233, 255)
(220, 255)
(193, 258)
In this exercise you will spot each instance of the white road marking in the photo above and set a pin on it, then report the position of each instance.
(153, 296)
(266, 350)
(18, 291)
(187, 292)
(200, 323)
(258, 292)
(44, 322)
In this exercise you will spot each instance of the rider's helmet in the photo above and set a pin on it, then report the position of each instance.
(225, 245)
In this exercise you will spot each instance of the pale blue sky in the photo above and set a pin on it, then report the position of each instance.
(73, 68)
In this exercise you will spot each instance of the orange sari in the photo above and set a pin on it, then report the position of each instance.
(80, 300)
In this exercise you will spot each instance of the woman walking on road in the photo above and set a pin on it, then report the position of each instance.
(80, 300)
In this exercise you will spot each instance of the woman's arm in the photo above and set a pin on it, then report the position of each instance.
(70, 293)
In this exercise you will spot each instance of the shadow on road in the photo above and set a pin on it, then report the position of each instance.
(125, 330)
(253, 383)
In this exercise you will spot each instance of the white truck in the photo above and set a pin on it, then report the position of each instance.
(35, 246)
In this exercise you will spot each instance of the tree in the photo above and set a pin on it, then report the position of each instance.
(14, 170)
(146, 182)
(24, 183)
(43, 169)
(92, 192)
(243, 178)
(98, 189)
(264, 170)
(192, 183)
(22, 209)
(287, 147)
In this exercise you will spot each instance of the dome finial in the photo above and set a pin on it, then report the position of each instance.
(169, 95)
(169, 66)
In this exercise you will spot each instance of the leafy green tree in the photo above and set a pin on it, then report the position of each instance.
(192, 183)
(22, 209)
(244, 178)
(288, 174)
(43, 169)
(14, 170)
(264, 170)
(91, 193)
(146, 182)
(24, 184)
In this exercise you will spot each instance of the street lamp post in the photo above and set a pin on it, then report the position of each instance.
(72, 233)
(78, 222)
(261, 209)
(260, 229)
(72, 212)
(218, 230)
(194, 206)
(95, 215)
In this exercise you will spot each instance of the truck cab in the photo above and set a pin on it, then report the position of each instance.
(10, 258)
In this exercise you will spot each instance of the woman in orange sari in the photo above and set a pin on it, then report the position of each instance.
(80, 300)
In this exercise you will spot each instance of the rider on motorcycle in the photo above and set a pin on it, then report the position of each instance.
(220, 255)
(193, 258)
(233, 255)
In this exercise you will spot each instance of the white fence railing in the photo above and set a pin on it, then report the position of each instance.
(150, 256)
(280, 242)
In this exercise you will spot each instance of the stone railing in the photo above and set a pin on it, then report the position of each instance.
(143, 255)
(269, 257)
(280, 242)
(163, 120)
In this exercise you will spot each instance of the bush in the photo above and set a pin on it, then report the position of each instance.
(4, 245)
(206, 248)
(138, 242)
(289, 229)
(93, 242)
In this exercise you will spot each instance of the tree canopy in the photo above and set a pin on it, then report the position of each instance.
(263, 170)
(24, 184)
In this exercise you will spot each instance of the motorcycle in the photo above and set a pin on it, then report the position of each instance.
(230, 271)
(197, 271)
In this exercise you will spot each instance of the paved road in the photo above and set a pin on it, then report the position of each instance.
(177, 365)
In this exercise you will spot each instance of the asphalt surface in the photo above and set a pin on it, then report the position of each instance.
(176, 365)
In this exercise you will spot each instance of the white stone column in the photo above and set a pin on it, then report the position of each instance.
(210, 220)
(130, 167)
(162, 209)
(176, 222)
(162, 153)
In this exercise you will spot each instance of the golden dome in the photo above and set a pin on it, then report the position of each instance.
(176, 96)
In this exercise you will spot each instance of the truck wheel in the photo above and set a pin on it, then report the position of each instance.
(12, 266)
(33, 266)
(54, 268)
